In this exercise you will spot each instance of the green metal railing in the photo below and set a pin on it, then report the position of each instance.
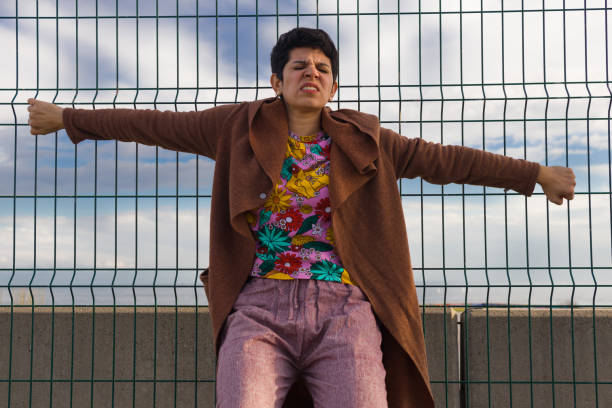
(108, 224)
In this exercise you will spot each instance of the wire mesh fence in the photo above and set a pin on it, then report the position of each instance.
(116, 224)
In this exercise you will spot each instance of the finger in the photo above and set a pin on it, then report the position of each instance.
(555, 199)
(31, 101)
(36, 130)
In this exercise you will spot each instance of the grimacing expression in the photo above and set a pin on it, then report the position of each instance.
(307, 79)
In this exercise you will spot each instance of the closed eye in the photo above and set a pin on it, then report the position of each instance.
(322, 67)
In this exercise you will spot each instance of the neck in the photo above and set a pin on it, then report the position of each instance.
(304, 123)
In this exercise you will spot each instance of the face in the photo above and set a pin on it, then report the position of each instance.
(307, 82)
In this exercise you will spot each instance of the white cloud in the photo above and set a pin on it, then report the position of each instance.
(55, 243)
(545, 233)
(60, 234)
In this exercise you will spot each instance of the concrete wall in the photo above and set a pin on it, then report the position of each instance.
(442, 342)
(506, 352)
(150, 349)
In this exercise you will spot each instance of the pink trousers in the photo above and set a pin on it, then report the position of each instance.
(322, 332)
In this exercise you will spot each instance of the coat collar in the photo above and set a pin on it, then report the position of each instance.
(355, 133)
(354, 150)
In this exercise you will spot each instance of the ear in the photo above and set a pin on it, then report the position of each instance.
(276, 84)
(333, 90)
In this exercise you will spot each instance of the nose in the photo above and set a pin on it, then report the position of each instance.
(311, 70)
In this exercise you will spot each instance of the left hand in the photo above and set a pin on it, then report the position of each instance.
(557, 182)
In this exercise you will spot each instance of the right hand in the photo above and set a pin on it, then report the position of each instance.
(44, 117)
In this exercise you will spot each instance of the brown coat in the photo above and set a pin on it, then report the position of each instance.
(248, 142)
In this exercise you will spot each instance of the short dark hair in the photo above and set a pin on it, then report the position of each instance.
(302, 37)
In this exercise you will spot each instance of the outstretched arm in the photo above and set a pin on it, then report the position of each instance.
(441, 164)
(192, 132)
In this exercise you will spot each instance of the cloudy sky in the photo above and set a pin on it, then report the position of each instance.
(527, 83)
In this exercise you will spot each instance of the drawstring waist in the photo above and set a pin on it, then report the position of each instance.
(290, 300)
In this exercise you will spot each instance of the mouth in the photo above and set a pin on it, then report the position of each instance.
(309, 88)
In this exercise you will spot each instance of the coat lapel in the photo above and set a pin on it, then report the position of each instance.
(268, 133)
(353, 152)
(267, 140)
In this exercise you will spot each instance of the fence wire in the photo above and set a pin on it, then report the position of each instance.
(111, 224)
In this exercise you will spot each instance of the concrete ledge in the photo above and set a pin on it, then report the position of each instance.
(509, 358)
(128, 355)
(151, 350)
(147, 352)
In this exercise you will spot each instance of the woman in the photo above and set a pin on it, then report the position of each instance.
(310, 277)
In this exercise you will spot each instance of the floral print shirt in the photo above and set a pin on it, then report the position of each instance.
(293, 231)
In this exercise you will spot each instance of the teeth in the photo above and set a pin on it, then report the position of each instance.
(309, 88)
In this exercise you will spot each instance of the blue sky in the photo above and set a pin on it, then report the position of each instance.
(452, 50)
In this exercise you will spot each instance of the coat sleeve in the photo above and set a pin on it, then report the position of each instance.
(440, 164)
(191, 132)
